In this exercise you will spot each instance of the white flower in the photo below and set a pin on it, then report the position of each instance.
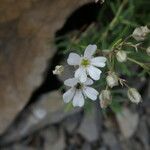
(112, 79)
(140, 33)
(121, 56)
(58, 70)
(79, 91)
(87, 64)
(134, 95)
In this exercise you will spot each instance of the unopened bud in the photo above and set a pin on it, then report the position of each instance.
(148, 51)
(58, 70)
(112, 79)
(140, 33)
(134, 95)
(105, 98)
(121, 56)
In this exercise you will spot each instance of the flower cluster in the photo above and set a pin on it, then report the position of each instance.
(87, 67)
(87, 71)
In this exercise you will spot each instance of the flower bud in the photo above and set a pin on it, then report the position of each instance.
(58, 70)
(105, 98)
(148, 51)
(112, 79)
(140, 33)
(134, 95)
(121, 56)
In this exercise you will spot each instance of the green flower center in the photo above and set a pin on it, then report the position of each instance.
(85, 62)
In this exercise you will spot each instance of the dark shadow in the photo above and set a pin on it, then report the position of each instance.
(85, 15)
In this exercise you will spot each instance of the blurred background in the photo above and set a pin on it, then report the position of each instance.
(35, 36)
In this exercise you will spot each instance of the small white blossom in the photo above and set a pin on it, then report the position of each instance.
(140, 33)
(112, 79)
(58, 70)
(87, 64)
(134, 95)
(105, 98)
(79, 91)
(121, 56)
(148, 51)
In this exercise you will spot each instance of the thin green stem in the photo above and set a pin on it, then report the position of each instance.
(115, 19)
(140, 64)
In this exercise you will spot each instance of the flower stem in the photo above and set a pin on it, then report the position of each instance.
(140, 64)
(115, 19)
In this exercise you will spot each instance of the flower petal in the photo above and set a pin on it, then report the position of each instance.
(91, 93)
(68, 95)
(88, 81)
(98, 61)
(71, 82)
(90, 50)
(78, 99)
(94, 72)
(73, 59)
(80, 73)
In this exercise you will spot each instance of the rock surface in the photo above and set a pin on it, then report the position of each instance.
(27, 30)
(128, 122)
(48, 110)
(52, 142)
(88, 128)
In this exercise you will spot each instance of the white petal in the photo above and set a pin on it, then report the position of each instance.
(91, 93)
(98, 61)
(71, 82)
(94, 72)
(73, 59)
(83, 77)
(90, 50)
(88, 81)
(80, 73)
(78, 99)
(68, 95)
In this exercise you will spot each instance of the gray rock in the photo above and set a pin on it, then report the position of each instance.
(58, 144)
(72, 122)
(128, 122)
(86, 146)
(27, 43)
(19, 147)
(102, 148)
(48, 110)
(88, 128)
(131, 144)
(111, 141)
(143, 133)
(50, 134)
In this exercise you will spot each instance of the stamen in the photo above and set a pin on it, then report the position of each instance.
(85, 62)
(79, 86)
